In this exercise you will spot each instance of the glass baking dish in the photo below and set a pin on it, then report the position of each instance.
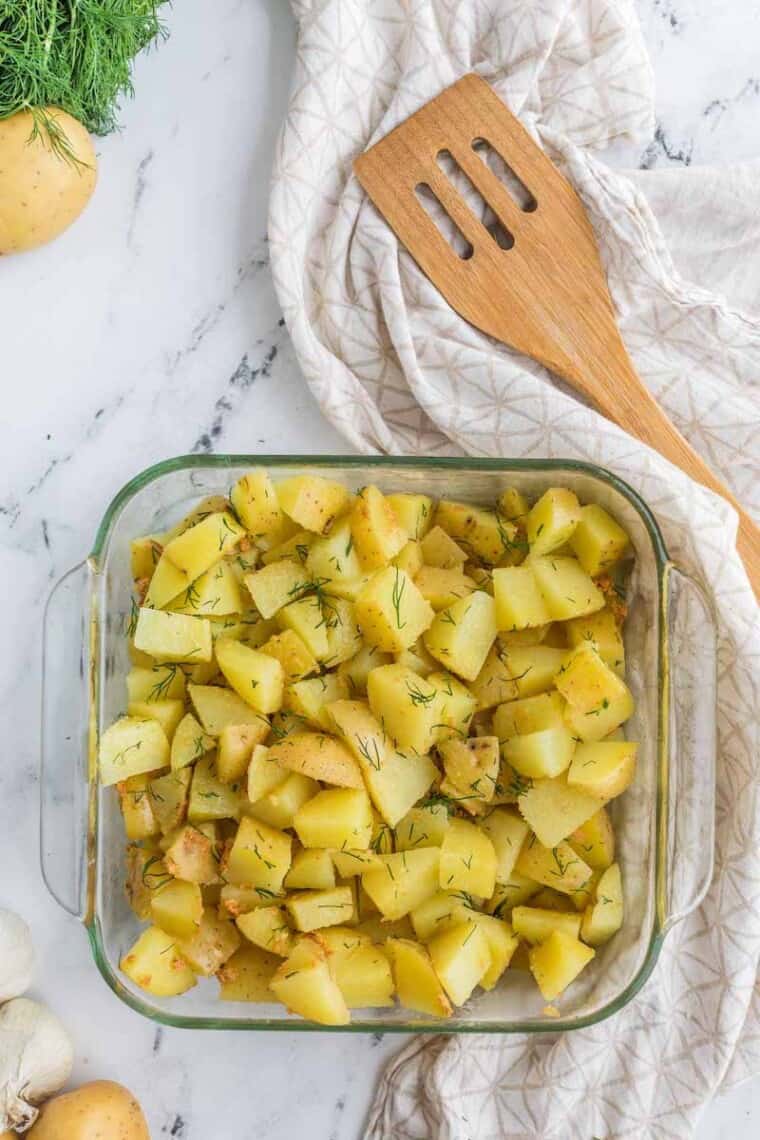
(664, 823)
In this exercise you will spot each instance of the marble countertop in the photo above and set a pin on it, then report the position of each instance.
(151, 329)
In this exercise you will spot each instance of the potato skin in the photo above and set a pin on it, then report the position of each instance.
(101, 1110)
(40, 193)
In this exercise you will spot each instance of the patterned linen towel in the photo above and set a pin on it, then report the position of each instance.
(397, 371)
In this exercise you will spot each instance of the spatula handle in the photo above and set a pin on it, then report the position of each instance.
(622, 397)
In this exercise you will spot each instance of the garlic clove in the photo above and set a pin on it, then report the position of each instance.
(36, 1058)
(16, 956)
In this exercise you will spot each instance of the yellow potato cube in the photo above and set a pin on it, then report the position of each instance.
(279, 807)
(258, 679)
(461, 635)
(391, 612)
(378, 535)
(566, 588)
(472, 765)
(468, 860)
(267, 927)
(605, 917)
(535, 924)
(422, 827)
(155, 965)
(521, 671)
(312, 869)
(502, 944)
(178, 909)
(214, 942)
(409, 559)
(601, 722)
(552, 521)
(311, 909)
(335, 817)
(547, 752)
(189, 743)
(247, 974)
(455, 706)
(264, 773)
(439, 913)
(168, 714)
(530, 714)
(413, 512)
(277, 584)
(406, 880)
(405, 705)
(157, 683)
(144, 554)
(295, 548)
(136, 808)
(191, 554)
(305, 985)
(439, 549)
(555, 809)
(216, 593)
(598, 541)
(519, 602)
(294, 655)
(349, 863)
(594, 841)
(461, 958)
(558, 867)
(173, 637)
(235, 900)
(586, 681)
(237, 743)
(507, 832)
(363, 975)
(601, 630)
(319, 756)
(482, 533)
(218, 708)
(130, 747)
(259, 856)
(604, 769)
(442, 587)
(512, 504)
(515, 891)
(557, 962)
(169, 798)
(210, 798)
(312, 502)
(305, 618)
(191, 856)
(334, 558)
(255, 502)
(356, 669)
(343, 634)
(416, 981)
(311, 698)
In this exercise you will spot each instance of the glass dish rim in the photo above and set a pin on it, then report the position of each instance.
(223, 460)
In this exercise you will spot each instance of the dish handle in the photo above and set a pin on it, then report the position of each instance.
(691, 671)
(68, 677)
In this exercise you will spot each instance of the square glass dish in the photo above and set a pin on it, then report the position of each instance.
(664, 822)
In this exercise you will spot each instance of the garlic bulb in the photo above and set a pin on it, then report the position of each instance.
(16, 956)
(36, 1057)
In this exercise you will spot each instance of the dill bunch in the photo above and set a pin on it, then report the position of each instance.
(73, 54)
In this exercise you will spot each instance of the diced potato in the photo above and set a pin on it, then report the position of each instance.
(334, 818)
(305, 985)
(255, 502)
(343, 634)
(602, 631)
(391, 611)
(178, 909)
(312, 502)
(601, 722)
(468, 860)
(311, 869)
(264, 773)
(528, 715)
(356, 669)
(558, 867)
(210, 798)
(191, 554)
(319, 756)
(159, 683)
(240, 563)
(168, 713)
(305, 618)
(533, 635)
(275, 585)
(258, 679)
(587, 682)
(502, 943)
(394, 781)
(605, 917)
(311, 909)
(144, 554)
(293, 549)
(519, 602)
(514, 892)
(378, 535)
(334, 558)
(507, 832)
(422, 827)
(218, 708)
(440, 912)
(214, 942)
(535, 924)
(259, 856)
(442, 587)
(461, 958)
(136, 807)
(211, 504)
(155, 964)
(169, 798)
(594, 841)
(566, 588)
(311, 697)
(191, 857)
(363, 975)
(419, 663)
(294, 655)
(349, 862)
(555, 809)
(409, 559)
(520, 671)
(247, 974)
(146, 875)
(604, 769)
(461, 635)
(279, 807)
(455, 706)
(482, 533)
(512, 504)
(190, 742)
(413, 512)
(552, 521)
(405, 705)
(540, 754)
(598, 541)
(130, 747)
(416, 981)
(237, 743)
(439, 549)
(267, 927)
(406, 880)
(472, 765)
(215, 593)
(557, 961)
(235, 900)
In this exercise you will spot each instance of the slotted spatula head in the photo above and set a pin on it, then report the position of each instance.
(547, 294)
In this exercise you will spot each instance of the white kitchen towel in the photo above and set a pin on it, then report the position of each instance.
(397, 371)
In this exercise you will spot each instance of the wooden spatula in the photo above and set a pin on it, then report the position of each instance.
(546, 295)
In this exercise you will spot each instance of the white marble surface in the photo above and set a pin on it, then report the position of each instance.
(151, 329)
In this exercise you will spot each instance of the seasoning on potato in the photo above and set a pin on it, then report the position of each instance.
(386, 773)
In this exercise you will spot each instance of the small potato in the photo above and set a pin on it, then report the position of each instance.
(42, 192)
(95, 1110)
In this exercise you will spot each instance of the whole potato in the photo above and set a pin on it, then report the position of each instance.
(41, 191)
(101, 1110)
